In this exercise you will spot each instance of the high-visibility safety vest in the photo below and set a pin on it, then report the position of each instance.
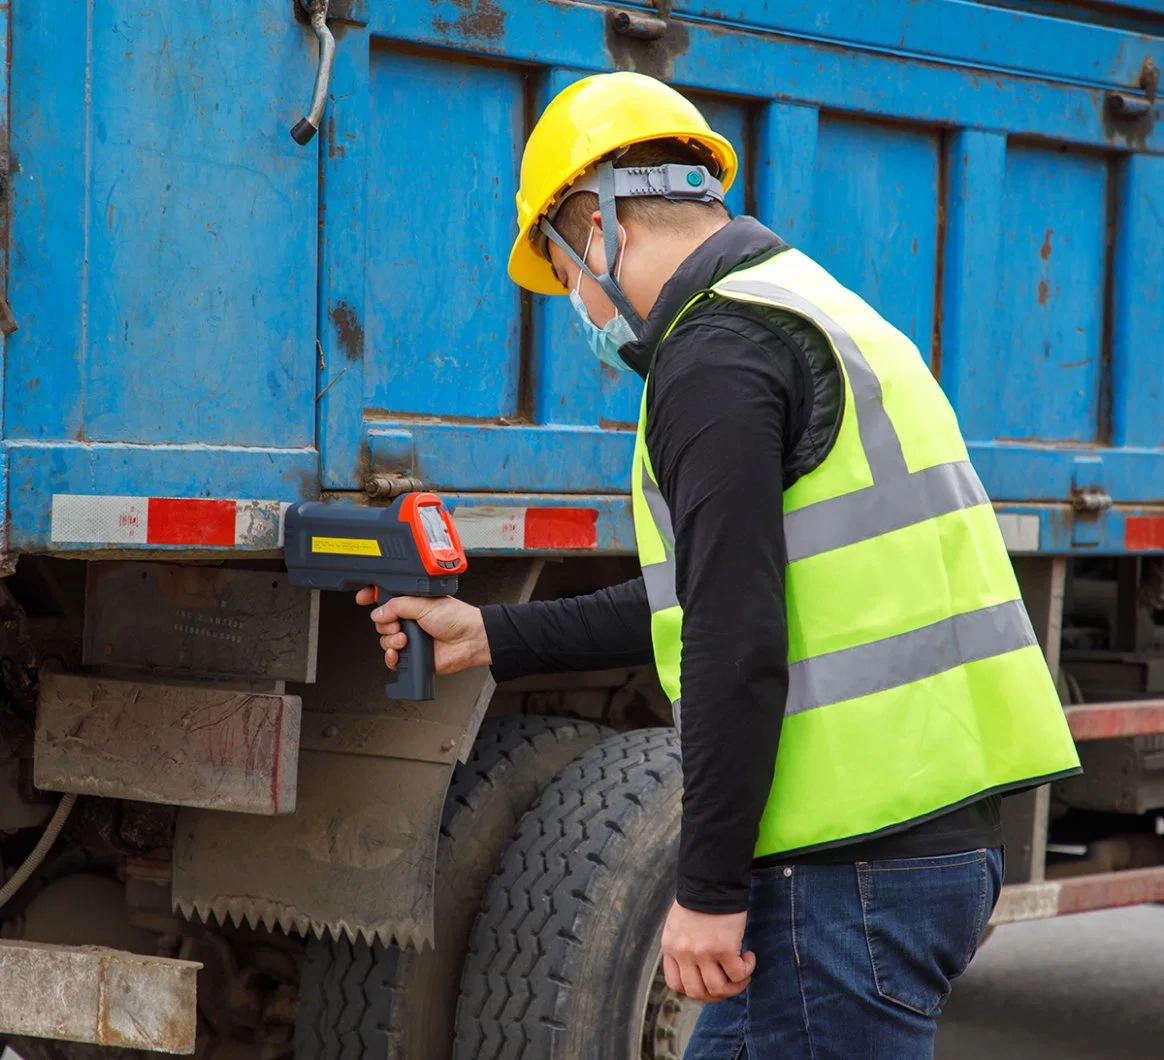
(916, 683)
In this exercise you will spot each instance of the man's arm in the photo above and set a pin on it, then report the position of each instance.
(728, 399)
(599, 631)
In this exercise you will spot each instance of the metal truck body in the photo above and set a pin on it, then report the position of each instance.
(205, 321)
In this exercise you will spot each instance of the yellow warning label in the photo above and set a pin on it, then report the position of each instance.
(346, 546)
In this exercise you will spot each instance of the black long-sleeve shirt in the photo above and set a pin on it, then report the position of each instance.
(729, 397)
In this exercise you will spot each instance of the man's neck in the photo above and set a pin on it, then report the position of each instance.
(668, 255)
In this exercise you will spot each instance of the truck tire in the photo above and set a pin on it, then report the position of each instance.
(391, 1003)
(563, 963)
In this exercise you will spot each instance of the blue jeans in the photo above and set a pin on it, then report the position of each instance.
(853, 962)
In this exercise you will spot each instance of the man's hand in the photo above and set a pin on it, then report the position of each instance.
(455, 627)
(701, 954)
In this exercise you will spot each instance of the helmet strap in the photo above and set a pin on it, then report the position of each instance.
(609, 213)
(607, 205)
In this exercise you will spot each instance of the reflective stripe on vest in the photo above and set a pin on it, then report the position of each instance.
(896, 500)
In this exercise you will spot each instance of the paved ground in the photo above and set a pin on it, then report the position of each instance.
(1089, 987)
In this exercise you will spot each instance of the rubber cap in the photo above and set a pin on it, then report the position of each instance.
(303, 131)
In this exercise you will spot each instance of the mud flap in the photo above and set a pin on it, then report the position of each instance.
(357, 857)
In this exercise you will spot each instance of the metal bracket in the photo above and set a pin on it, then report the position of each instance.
(1089, 499)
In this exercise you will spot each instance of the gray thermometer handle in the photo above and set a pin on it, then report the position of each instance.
(415, 674)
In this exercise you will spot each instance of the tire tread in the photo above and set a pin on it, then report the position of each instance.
(528, 939)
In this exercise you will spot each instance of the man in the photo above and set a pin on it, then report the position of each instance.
(823, 575)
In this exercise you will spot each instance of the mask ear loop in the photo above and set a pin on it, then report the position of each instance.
(585, 255)
(621, 253)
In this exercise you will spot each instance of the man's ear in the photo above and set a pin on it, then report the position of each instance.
(598, 244)
(599, 241)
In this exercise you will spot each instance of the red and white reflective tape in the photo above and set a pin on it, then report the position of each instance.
(527, 529)
(192, 521)
(195, 522)
(1144, 533)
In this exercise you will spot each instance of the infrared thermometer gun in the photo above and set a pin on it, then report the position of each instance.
(410, 548)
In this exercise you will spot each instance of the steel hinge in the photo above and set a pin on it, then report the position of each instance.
(1090, 500)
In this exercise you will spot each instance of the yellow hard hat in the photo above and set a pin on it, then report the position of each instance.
(585, 122)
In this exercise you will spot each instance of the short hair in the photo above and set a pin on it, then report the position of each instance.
(572, 222)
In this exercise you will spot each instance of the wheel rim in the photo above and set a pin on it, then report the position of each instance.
(668, 1020)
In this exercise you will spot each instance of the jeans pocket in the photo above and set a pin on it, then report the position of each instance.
(923, 920)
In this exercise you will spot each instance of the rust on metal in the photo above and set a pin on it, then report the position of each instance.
(7, 321)
(334, 149)
(153, 1013)
(1149, 78)
(1105, 418)
(98, 996)
(1043, 291)
(1045, 249)
(942, 217)
(477, 20)
(1131, 117)
(349, 331)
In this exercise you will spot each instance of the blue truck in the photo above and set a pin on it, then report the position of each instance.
(206, 319)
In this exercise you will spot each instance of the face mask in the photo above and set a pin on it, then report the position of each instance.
(604, 342)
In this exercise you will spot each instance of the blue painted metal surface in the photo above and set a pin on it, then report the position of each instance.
(1051, 266)
(163, 235)
(208, 309)
(443, 319)
(877, 190)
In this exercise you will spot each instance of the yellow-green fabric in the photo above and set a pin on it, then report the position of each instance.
(915, 680)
